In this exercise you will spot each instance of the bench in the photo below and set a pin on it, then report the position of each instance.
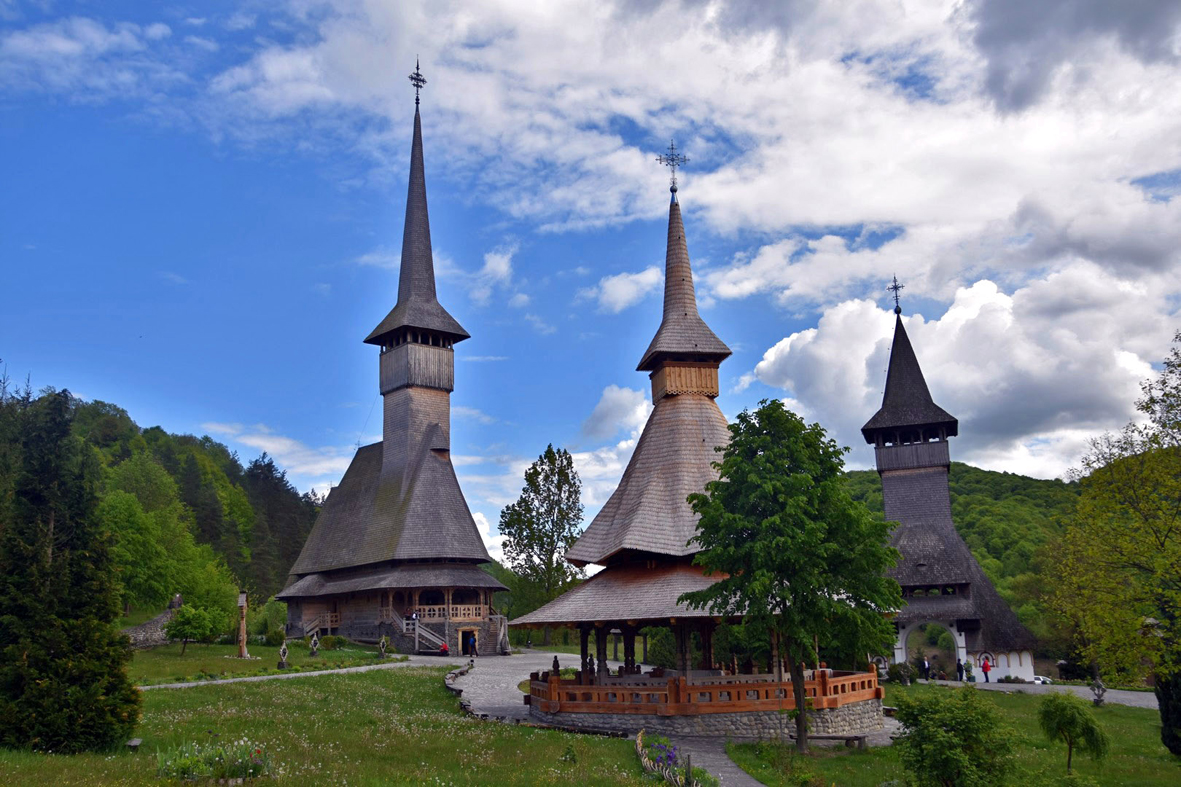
(134, 743)
(859, 740)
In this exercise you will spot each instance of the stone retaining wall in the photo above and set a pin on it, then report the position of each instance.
(150, 634)
(854, 718)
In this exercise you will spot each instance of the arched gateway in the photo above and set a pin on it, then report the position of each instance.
(941, 580)
(641, 536)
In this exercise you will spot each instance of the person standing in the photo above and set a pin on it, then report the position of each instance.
(986, 668)
(926, 669)
(959, 670)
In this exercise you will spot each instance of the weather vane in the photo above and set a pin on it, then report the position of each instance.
(418, 80)
(896, 288)
(672, 160)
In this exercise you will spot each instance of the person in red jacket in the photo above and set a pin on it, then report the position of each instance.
(986, 668)
(443, 649)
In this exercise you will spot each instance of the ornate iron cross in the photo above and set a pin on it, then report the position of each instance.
(672, 160)
(896, 288)
(418, 80)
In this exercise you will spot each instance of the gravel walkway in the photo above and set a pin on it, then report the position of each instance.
(1135, 699)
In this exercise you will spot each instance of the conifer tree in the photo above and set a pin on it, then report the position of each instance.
(63, 683)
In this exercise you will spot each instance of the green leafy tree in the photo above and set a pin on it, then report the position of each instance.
(1118, 569)
(542, 524)
(953, 739)
(63, 680)
(799, 558)
(189, 623)
(1067, 718)
(139, 560)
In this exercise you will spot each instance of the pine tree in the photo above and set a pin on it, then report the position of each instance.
(63, 682)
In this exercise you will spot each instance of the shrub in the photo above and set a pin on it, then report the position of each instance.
(276, 637)
(332, 642)
(900, 673)
(191, 761)
(954, 739)
(1011, 679)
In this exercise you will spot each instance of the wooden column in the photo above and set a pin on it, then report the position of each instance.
(707, 646)
(447, 621)
(601, 652)
(679, 639)
(583, 636)
(615, 647)
(644, 644)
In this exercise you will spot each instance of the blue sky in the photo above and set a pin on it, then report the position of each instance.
(202, 212)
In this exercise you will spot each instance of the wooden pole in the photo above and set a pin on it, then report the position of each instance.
(584, 650)
(242, 654)
(601, 652)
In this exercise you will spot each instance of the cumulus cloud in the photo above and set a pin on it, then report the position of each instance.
(1029, 375)
(495, 274)
(616, 293)
(299, 459)
(618, 409)
(472, 414)
(540, 325)
(494, 543)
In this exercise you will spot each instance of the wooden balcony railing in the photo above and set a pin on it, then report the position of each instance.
(459, 612)
(692, 696)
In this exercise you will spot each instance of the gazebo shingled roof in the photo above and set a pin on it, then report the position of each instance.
(682, 332)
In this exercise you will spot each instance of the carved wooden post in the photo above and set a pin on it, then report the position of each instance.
(583, 637)
(601, 652)
(242, 654)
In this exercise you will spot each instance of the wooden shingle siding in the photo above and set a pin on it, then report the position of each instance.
(906, 457)
(420, 365)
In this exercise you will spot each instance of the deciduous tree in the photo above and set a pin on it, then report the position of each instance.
(954, 739)
(1118, 571)
(799, 558)
(1066, 718)
(542, 524)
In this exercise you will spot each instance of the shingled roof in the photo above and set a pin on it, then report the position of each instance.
(648, 510)
(682, 332)
(907, 403)
(365, 520)
(626, 592)
(417, 305)
(391, 578)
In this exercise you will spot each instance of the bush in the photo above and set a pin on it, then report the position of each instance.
(332, 642)
(261, 619)
(1011, 679)
(276, 637)
(192, 761)
(900, 673)
(954, 739)
(189, 624)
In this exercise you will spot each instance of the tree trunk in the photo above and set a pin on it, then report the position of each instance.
(796, 669)
(1069, 756)
(1168, 697)
(184, 643)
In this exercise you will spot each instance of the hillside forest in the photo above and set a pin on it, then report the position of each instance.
(187, 516)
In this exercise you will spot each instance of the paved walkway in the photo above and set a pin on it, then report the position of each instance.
(1135, 699)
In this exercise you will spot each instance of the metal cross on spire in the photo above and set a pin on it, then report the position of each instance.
(672, 160)
(418, 80)
(896, 288)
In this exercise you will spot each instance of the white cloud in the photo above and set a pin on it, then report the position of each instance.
(519, 301)
(208, 44)
(618, 410)
(240, 21)
(471, 413)
(616, 293)
(172, 278)
(156, 31)
(380, 258)
(540, 325)
(482, 358)
(321, 288)
(294, 456)
(495, 274)
(1029, 376)
(493, 543)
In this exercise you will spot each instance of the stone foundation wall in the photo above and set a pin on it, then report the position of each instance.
(854, 718)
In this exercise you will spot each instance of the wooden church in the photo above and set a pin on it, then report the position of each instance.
(395, 550)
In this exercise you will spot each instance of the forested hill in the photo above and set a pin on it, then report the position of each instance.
(1004, 518)
(183, 512)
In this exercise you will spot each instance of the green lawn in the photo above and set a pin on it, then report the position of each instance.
(375, 728)
(1137, 756)
(165, 664)
(137, 617)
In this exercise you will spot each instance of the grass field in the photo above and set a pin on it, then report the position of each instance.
(165, 664)
(375, 728)
(1137, 756)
